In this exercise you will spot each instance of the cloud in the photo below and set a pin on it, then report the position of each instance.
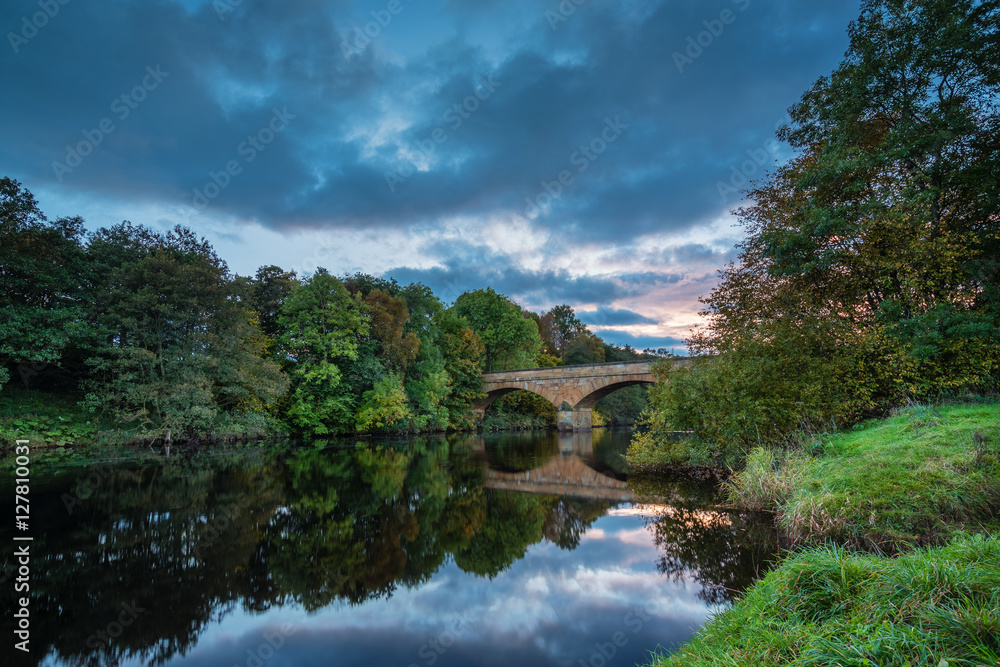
(586, 130)
(613, 317)
(623, 338)
(357, 117)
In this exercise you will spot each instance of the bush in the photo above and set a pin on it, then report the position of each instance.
(750, 396)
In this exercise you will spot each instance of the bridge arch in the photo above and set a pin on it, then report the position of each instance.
(499, 392)
(574, 390)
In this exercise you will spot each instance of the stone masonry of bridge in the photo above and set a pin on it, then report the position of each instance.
(572, 389)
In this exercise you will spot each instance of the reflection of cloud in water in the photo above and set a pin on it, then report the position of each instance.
(646, 510)
(640, 537)
(547, 609)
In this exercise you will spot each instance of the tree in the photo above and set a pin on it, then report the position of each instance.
(44, 273)
(384, 406)
(509, 339)
(869, 272)
(559, 327)
(388, 316)
(321, 327)
(173, 348)
(463, 353)
(898, 220)
(586, 348)
(268, 292)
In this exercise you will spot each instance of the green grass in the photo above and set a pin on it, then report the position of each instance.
(924, 485)
(914, 479)
(934, 606)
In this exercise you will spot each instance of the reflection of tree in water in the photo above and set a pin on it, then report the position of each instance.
(610, 447)
(190, 541)
(130, 540)
(511, 453)
(724, 551)
(567, 519)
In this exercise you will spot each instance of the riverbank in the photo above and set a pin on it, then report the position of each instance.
(925, 484)
(57, 424)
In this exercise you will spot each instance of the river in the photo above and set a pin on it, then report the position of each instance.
(533, 549)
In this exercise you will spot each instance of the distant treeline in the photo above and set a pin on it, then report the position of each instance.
(155, 337)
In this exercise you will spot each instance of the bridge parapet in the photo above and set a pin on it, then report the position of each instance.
(578, 371)
(572, 389)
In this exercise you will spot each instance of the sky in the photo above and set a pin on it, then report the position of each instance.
(587, 152)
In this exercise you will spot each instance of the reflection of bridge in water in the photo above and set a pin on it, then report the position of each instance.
(573, 472)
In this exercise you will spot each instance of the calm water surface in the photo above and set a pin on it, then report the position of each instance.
(509, 550)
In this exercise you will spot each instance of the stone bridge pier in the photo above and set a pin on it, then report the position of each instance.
(572, 389)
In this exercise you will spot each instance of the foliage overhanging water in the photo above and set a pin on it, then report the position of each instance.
(514, 549)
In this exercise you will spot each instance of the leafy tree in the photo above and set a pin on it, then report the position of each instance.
(558, 328)
(429, 394)
(174, 347)
(586, 348)
(44, 274)
(869, 273)
(510, 340)
(464, 353)
(545, 360)
(321, 327)
(383, 406)
(364, 284)
(268, 292)
(901, 150)
(388, 316)
(625, 406)
(424, 310)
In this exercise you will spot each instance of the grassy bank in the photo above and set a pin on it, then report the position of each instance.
(924, 483)
(827, 606)
(913, 479)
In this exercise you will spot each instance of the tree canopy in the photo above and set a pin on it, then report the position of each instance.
(869, 272)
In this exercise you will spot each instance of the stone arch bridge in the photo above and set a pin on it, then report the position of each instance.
(572, 389)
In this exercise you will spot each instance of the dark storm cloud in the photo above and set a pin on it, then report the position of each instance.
(550, 95)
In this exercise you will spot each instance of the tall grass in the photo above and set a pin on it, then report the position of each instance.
(913, 479)
(935, 606)
(768, 480)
